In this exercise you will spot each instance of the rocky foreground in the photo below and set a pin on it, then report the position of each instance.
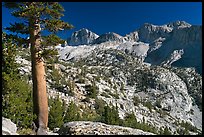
(79, 128)
(98, 128)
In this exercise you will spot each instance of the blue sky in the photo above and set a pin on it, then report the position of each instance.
(122, 17)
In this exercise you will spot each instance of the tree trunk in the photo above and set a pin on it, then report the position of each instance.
(40, 103)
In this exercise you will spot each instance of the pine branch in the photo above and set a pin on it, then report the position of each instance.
(57, 25)
(18, 28)
(51, 40)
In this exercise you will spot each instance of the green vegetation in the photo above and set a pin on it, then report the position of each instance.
(92, 90)
(130, 121)
(148, 104)
(16, 91)
(166, 131)
(32, 19)
(56, 113)
(56, 78)
(136, 100)
(17, 101)
(99, 106)
(26, 131)
(189, 127)
(71, 86)
(72, 113)
(110, 115)
(158, 103)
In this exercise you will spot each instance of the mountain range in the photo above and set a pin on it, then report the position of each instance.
(177, 43)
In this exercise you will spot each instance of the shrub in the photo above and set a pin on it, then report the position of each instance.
(148, 105)
(136, 100)
(92, 91)
(99, 106)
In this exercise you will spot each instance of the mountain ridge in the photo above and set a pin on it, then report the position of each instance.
(163, 43)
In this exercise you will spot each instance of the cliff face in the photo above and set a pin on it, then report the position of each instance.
(82, 37)
(188, 40)
(108, 37)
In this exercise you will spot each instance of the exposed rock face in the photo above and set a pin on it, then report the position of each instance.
(108, 37)
(148, 32)
(138, 49)
(186, 39)
(178, 24)
(25, 65)
(8, 127)
(82, 37)
(133, 36)
(98, 128)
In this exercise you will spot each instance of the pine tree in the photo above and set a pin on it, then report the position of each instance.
(9, 66)
(107, 115)
(56, 113)
(37, 17)
(72, 113)
(111, 115)
(16, 93)
(166, 131)
(130, 120)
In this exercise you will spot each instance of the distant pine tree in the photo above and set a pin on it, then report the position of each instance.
(130, 120)
(72, 113)
(111, 115)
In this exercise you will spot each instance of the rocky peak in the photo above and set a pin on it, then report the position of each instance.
(82, 37)
(133, 36)
(149, 32)
(179, 24)
(110, 36)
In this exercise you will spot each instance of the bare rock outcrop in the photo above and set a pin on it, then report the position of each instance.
(98, 128)
(8, 127)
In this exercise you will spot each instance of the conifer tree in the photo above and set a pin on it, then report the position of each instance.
(16, 91)
(111, 115)
(130, 120)
(56, 113)
(72, 113)
(35, 17)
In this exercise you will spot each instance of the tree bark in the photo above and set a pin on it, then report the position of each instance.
(40, 103)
